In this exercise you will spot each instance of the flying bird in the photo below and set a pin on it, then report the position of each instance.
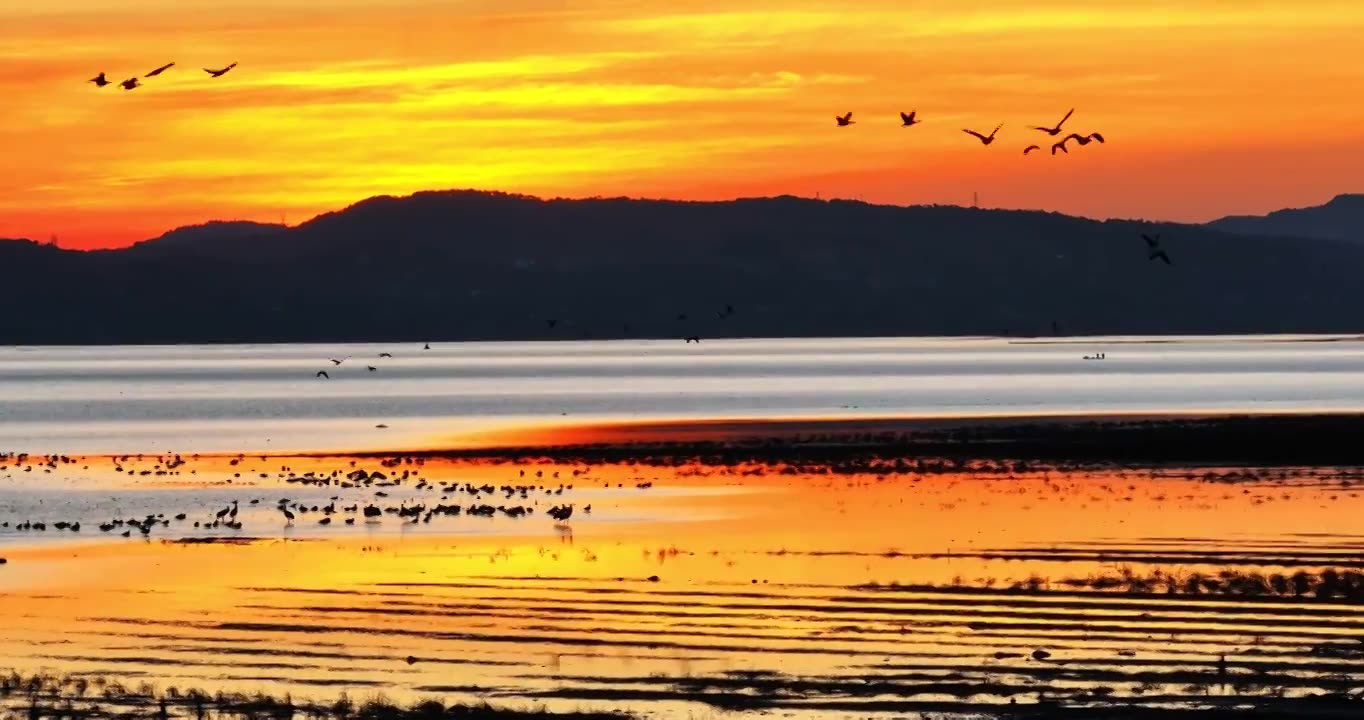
(1084, 140)
(385, 355)
(337, 362)
(846, 120)
(372, 368)
(99, 80)
(160, 70)
(1060, 146)
(130, 83)
(985, 139)
(323, 374)
(1157, 252)
(220, 72)
(909, 120)
(1054, 131)
(1030, 148)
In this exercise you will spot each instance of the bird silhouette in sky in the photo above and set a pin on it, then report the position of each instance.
(372, 368)
(160, 70)
(1157, 252)
(1084, 140)
(130, 84)
(1054, 131)
(99, 80)
(846, 120)
(1060, 146)
(337, 362)
(908, 119)
(220, 72)
(323, 374)
(385, 355)
(984, 139)
(1030, 148)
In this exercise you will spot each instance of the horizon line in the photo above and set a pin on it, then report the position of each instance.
(54, 240)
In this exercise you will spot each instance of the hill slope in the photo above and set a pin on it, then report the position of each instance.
(1340, 219)
(464, 265)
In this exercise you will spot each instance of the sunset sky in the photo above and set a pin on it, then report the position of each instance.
(1210, 107)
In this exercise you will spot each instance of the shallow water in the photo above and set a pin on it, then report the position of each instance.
(688, 590)
(805, 594)
(255, 398)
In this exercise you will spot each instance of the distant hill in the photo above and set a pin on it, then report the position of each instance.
(1340, 219)
(469, 265)
(216, 238)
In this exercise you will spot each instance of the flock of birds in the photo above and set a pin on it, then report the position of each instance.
(552, 324)
(371, 368)
(910, 119)
(376, 484)
(132, 83)
(907, 119)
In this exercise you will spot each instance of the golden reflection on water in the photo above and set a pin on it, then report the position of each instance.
(707, 571)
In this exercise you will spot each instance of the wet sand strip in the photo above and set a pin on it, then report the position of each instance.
(900, 445)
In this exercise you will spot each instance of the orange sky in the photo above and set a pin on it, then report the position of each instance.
(1210, 106)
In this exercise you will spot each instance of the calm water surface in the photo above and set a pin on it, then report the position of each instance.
(685, 589)
(267, 397)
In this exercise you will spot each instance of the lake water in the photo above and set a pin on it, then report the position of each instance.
(267, 397)
(681, 591)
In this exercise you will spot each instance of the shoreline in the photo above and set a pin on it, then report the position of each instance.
(882, 445)
(1173, 337)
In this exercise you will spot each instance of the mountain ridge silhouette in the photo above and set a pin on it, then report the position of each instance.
(470, 265)
(1340, 218)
